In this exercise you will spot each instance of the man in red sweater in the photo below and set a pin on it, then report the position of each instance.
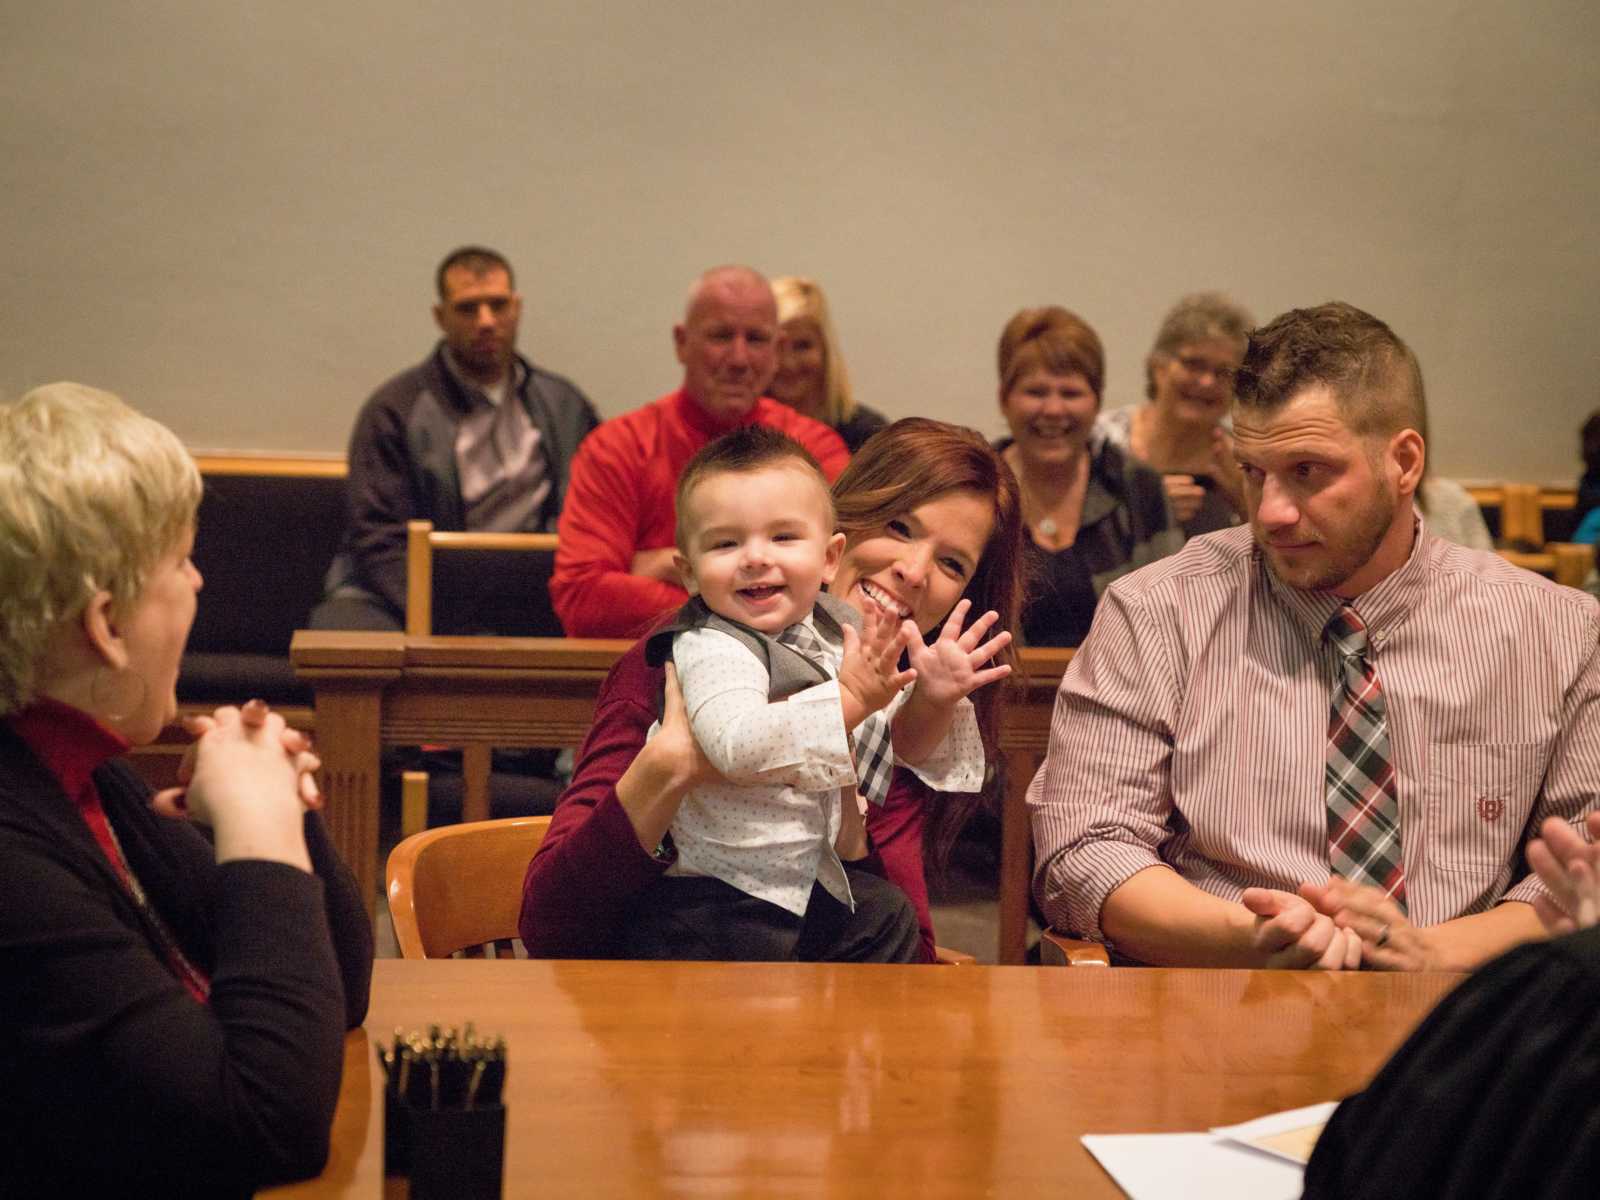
(614, 574)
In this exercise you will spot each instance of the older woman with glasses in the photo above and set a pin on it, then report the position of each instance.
(1180, 431)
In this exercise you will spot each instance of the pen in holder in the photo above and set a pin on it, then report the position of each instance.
(444, 1123)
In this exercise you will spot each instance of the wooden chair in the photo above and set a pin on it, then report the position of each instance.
(1059, 950)
(1567, 563)
(1573, 562)
(1521, 517)
(1524, 516)
(524, 560)
(459, 887)
(499, 581)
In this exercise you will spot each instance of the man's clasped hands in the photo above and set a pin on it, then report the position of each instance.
(1343, 926)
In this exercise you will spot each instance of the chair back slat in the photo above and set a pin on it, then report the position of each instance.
(459, 887)
(472, 583)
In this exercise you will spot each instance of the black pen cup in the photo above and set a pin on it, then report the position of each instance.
(396, 1136)
(456, 1153)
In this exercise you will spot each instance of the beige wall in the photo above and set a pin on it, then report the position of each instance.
(230, 213)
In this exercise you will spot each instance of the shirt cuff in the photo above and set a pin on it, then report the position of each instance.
(957, 762)
(1526, 890)
(1096, 870)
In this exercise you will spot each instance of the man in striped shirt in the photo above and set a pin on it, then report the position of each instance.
(1182, 812)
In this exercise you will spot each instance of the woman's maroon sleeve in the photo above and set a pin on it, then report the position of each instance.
(896, 829)
(579, 885)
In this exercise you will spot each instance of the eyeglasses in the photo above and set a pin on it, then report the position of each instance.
(1194, 366)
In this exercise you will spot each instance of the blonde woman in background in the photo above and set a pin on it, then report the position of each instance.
(811, 377)
(1181, 430)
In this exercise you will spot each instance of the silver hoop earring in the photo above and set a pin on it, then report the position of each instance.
(107, 694)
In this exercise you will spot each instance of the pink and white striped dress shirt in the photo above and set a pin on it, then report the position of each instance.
(1190, 730)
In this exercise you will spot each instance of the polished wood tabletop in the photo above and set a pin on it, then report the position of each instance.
(709, 1079)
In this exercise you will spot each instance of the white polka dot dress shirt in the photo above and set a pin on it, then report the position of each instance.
(769, 831)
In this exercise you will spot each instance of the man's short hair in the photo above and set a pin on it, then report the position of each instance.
(715, 275)
(745, 450)
(479, 260)
(1373, 375)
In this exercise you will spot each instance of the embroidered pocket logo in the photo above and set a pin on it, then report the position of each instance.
(1491, 808)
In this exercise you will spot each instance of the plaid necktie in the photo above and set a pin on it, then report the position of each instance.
(1363, 804)
(871, 743)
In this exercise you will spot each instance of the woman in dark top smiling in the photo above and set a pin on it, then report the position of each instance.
(1092, 512)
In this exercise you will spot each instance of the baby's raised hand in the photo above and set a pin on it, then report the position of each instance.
(870, 674)
(953, 667)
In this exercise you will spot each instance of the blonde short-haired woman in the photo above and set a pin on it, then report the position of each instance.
(174, 1004)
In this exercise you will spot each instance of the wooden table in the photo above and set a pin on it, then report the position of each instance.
(386, 689)
(709, 1079)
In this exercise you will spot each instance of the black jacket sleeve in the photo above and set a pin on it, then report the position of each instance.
(1493, 1096)
(348, 923)
(113, 1053)
(381, 498)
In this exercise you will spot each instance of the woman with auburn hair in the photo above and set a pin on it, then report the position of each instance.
(1181, 430)
(175, 1004)
(1093, 512)
(811, 377)
(931, 515)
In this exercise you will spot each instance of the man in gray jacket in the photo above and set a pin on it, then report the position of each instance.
(474, 438)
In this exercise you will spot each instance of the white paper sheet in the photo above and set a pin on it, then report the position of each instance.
(1192, 1166)
(1223, 1164)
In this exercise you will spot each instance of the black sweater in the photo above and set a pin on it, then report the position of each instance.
(116, 1081)
(1493, 1097)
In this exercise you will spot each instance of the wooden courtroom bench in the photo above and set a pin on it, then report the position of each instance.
(386, 689)
(1531, 525)
(1525, 516)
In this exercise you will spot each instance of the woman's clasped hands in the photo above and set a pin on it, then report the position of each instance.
(250, 778)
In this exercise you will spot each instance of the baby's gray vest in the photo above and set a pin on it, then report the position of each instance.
(788, 671)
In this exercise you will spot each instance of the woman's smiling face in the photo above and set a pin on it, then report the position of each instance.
(916, 565)
(1051, 415)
